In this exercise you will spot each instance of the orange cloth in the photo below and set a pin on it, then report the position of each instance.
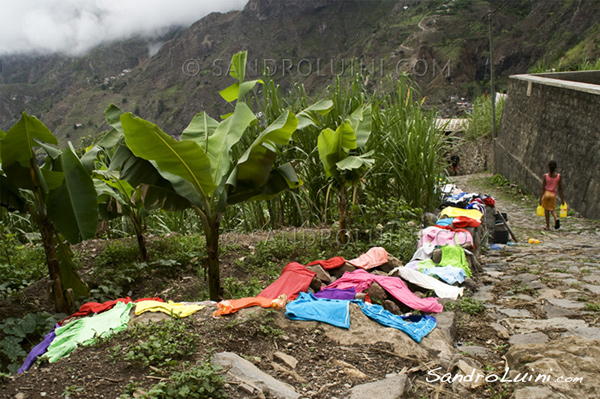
(549, 201)
(374, 257)
(233, 305)
(464, 221)
(332, 263)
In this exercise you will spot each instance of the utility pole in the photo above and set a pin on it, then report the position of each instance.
(492, 89)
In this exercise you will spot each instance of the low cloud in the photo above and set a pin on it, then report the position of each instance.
(75, 26)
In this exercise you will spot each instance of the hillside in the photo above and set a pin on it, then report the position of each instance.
(443, 45)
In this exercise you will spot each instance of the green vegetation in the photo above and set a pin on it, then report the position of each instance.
(163, 344)
(479, 122)
(467, 305)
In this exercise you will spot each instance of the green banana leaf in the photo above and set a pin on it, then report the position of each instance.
(280, 179)
(185, 159)
(200, 128)
(361, 121)
(68, 275)
(73, 207)
(18, 143)
(309, 116)
(334, 146)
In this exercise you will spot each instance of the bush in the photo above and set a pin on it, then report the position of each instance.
(479, 122)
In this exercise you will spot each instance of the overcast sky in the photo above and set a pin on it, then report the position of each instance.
(75, 26)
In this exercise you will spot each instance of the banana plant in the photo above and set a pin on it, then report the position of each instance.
(59, 196)
(339, 153)
(202, 168)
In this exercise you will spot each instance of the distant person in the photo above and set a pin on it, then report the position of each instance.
(454, 162)
(551, 186)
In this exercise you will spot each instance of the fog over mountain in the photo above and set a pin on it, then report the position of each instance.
(73, 27)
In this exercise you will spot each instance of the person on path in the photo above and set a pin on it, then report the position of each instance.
(551, 186)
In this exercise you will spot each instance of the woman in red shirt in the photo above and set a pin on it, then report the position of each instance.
(551, 185)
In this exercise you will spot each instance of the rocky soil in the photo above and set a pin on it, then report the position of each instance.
(539, 323)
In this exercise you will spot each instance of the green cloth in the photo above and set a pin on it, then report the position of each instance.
(86, 331)
(454, 255)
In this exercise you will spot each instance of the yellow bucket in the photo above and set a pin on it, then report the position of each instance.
(540, 210)
(563, 210)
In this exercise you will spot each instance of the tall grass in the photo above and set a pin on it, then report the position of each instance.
(479, 122)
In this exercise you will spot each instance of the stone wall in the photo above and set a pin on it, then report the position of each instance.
(544, 119)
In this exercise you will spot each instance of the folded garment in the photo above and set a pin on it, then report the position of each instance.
(362, 280)
(38, 350)
(374, 257)
(85, 331)
(444, 222)
(332, 263)
(425, 251)
(170, 308)
(416, 327)
(336, 293)
(294, 278)
(436, 235)
(441, 289)
(309, 308)
(454, 255)
(452, 212)
(95, 307)
(233, 305)
(449, 274)
(464, 221)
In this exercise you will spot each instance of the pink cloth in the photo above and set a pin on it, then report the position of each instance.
(552, 183)
(374, 257)
(439, 236)
(294, 278)
(328, 264)
(362, 280)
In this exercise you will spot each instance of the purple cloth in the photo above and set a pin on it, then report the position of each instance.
(336, 293)
(38, 350)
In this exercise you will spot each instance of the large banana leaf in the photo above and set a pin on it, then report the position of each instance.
(181, 158)
(309, 116)
(334, 146)
(199, 129)
(17, 145)
(280, 179)
(361, 120)
(239, 89)
(10, 197)
(73, 207)
(226, 135)
(68, 275)
(2, 134)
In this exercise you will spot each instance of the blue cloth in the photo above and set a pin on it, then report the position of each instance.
(444, 222)
(331, 311)
(416, 327)
(347, 294)
(38, 350)
(449, 274)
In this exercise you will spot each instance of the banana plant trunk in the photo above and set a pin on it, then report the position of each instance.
(141, 239)
(61, 303)
(211, 230)
(342, 214)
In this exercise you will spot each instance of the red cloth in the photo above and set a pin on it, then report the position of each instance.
(463, 221)
(489, 201)
(96, 307)
(328, 264)
(294, 278)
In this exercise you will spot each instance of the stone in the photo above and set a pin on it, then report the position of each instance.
(515, 313)
(584, 332)
(316, 284)
(391, 307)
(282, 369)
(377, 293)
(20, 395)
(550, 293)
(533, 393)
(469, 376)
(593, 278)
(321, 273)
(525, 297)
(469, 283)
(394, 386)
(566, 303)
(484, 296)
(556, 311)
(339, 271)
(148, 317)
(530, 338)
(558, 276)
(536, 285)
(594, 289)
(247, 373)
(474, 350)
(291, 361)
(493, 273)
(446, 322)
(502, 331)
(532, 325)
(526, 277)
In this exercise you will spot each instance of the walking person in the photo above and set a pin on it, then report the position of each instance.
(551, 186)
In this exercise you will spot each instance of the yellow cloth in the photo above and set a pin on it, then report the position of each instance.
(177, 309)
(452, 212)
(549, 200)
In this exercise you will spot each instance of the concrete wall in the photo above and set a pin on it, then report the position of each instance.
(544, 119)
